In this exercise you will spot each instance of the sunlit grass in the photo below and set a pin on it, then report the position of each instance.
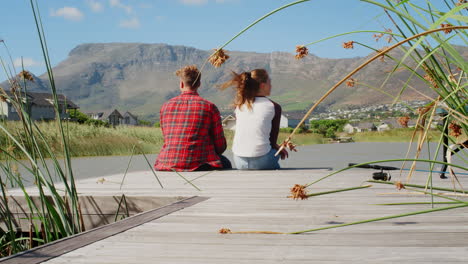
(393, 135)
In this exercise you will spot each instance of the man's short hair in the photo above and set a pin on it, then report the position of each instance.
(190, 75)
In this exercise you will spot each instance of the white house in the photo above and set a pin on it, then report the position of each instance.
(291, 119)
(229, 122)
(113, 117)
(383, 127)
(40, 106)
(349, 129)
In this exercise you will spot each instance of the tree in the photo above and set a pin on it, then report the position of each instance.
(78, 116)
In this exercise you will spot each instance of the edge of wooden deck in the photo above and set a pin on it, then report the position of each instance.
(65, 245)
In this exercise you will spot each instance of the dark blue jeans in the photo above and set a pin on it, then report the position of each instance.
(225, 161)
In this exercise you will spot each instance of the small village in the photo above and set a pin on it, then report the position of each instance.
(379, 117)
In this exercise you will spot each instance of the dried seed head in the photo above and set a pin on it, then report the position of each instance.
(218, 58)
(455, 129)
(389, 38)
(351, 82)
(403, 121)
(26, 76)
(447, 30)
(428, 78)
(10, 149)
(382, 57)
(291, 146)
(452, 78)
(2, 98)
(101, 181)
(298, 192)
(348, 45)
(301, 51)
(225, 231)
(377, 36)
(399, 185)
(461, 2)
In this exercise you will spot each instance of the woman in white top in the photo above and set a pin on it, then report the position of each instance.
(257, 122)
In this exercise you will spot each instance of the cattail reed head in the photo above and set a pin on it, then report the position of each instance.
(247, 86)
(301, 51)
(218, 58)
(25, 75)
(399, 185)
(348, 45)
(190, 76)
(351, 82)
(403, 121)
(447, 30)
(461, 2)
(225, 231)
(298, 192)
(455, 129)
(389, 38)
(291, 146)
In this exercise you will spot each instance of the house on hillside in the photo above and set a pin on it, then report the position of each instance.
(229, 122)
(291, 119)
(383, 127)
(350, 128)
(40, 106)
(113, 117)
(365, 126)
(129, 119)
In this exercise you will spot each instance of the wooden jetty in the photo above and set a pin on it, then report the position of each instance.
(187, 231)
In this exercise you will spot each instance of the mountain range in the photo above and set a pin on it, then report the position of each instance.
(139, 77)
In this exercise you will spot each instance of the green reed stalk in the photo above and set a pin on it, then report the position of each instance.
(382, 218)
(421, 186)
(339, 190)
(187, 181)
(128, 166)
(383, 161)
(418, 203)
(247, 28)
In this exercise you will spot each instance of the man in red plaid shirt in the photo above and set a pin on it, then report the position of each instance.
(192, 130)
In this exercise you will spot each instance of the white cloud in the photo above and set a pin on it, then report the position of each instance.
(95, 6)
(118, 4)
(26, 62)
(69, 13)
(193, 2)
(132, 23)
(160, 18)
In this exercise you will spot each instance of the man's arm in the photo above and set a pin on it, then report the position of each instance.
(217, 133)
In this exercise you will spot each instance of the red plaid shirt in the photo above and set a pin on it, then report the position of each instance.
(193, 134)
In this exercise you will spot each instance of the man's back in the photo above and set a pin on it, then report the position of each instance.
(193, 135)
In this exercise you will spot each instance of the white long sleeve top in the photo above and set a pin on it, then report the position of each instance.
(256, 128)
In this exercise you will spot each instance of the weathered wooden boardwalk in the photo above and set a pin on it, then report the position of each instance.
(257, 201)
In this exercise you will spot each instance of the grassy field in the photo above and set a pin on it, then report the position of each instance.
(87, 140)
(394, 135)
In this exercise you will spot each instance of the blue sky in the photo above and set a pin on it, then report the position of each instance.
(203, 24)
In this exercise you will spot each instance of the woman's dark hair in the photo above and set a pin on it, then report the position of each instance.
(247, 85)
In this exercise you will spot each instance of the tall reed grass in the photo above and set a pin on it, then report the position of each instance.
(55, 213)
(88, 140)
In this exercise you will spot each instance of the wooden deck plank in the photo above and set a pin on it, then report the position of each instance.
(256, 200)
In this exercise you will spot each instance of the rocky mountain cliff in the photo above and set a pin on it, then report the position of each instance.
(140, 77)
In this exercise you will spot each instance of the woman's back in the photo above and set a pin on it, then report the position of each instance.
(253, 127)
